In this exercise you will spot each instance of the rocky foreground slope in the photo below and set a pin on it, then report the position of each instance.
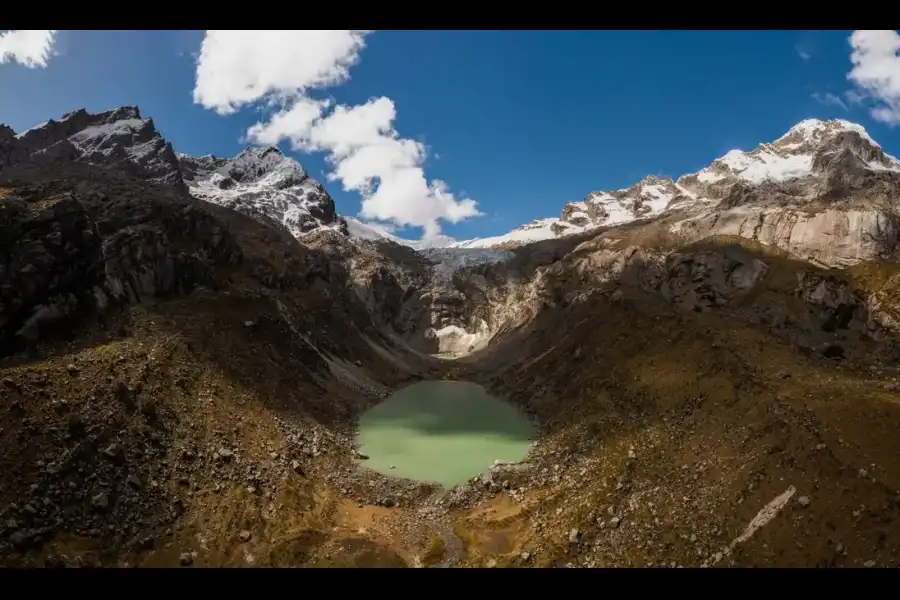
(181, 375)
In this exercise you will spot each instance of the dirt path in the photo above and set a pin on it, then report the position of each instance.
(442, 522)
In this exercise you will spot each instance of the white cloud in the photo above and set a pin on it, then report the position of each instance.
(803, 54)
(294, 123)
(876, 71)
(30, 48)
(829, 99)
(366, 154)
(241, 67)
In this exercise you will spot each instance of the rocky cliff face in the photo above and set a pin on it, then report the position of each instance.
(88, 239)
(816, 309)
(825, 192)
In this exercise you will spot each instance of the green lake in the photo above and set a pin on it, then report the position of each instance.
(442, 431)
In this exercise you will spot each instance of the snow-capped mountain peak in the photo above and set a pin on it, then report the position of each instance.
(815, 161)
(815, 130)
(254, 164)
(814, 158)
(805, 151)
(263, 182)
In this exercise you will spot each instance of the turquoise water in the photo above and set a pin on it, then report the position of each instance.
(442, 431)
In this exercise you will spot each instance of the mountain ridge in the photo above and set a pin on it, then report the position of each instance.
(260, 182)
(816, 166)
(811, 155)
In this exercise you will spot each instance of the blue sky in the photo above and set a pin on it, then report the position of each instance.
(520, 122)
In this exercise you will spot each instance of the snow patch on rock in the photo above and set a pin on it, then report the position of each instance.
(456, 340)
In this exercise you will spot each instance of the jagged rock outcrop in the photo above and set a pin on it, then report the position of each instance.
(119, 139)
(700, 281)
(843, 307)
(264, 184)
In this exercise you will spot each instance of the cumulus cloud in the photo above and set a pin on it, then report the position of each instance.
(876, 71)
(829, 99)
(803, 54)
(279, 70)
(241, 67)
(29, 47)
(294, 123)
